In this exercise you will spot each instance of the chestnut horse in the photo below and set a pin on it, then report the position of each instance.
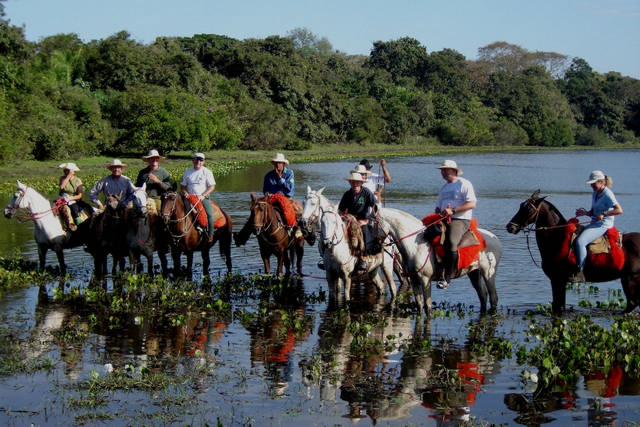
(273, 237)
(186, 236)
(551, 233)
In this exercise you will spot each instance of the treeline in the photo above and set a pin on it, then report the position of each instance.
(63, 98)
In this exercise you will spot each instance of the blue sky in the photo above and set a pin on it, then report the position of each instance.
(606, 33)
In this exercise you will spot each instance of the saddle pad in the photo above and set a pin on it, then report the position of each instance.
(219, 219)
(472, 242)
(611, 259)
(286, 207)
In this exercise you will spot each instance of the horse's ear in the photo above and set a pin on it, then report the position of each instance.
(253, 198)
(308, 189)
(144, 187)
(535, 194)
(321, 190)
(21, 186)
(120, 194)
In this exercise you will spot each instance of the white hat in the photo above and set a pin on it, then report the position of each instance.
(116, 162)
(152, 154)
(360, 169)
(595, 176)
(69, 165)
(355, 176)
(450, 164)
(198, 156)
(279, 158)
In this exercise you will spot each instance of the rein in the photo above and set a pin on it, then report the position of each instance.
(168, 220)
(278, 226)
(33, 215)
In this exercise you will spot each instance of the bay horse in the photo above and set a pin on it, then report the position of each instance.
(146, 233)
(48, 232)
(186, 236)
(334, 248)
(273, 238)
(419, 260)
(551, 237)
(107, 236)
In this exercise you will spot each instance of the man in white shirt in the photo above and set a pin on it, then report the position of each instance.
(199, 180)
(456, 199)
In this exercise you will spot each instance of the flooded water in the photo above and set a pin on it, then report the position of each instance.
(267, 372)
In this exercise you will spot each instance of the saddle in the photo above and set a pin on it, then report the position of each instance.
(364, 237)
(469, 247)
(219, 220)
(66, 218)
(604, 252)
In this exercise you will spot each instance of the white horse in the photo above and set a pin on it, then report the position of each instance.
(334, 248)
(420, 264)
(48, 231)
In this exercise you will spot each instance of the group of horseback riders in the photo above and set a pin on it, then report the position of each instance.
(454, 206)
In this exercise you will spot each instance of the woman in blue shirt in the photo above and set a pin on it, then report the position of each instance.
(603, 207)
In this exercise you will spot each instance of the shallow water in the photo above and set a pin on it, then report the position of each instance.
(262, 378)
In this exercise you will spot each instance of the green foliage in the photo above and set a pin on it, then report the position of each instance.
(62, 98)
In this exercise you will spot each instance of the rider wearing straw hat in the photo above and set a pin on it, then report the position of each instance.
(199, 181)
(113, 184)
(359, 202)
(374, 182)
(456, 200)
(71, 191)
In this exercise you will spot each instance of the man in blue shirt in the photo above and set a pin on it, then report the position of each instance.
(280, 179)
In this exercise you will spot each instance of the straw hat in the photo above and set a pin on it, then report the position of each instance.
(361, 169)
(450, 164)
(595, 176)
(69, 165)
(279, 158)
(355, 176)
(151, 155)
(116, 162)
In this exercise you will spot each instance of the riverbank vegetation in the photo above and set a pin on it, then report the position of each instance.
(63, 98)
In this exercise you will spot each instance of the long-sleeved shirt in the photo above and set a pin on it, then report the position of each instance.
(284, 184)
(112, 185)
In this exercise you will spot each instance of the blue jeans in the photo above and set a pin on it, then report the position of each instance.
(590, 233)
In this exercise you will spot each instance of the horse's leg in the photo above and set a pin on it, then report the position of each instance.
(479, 285)
(387, 271)
(299, 254)
(559, 292)
(225, 249)
(61, 263)
(206, 261)
(42, 256)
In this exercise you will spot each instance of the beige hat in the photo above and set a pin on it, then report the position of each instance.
(361, 169)
(595, 176)
(355, 176)
(198, 156)
(69, 165)
(152, 154)
(450, 164)
(116, 162)
(279, 158)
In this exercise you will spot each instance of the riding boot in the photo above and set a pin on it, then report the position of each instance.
(578, 277)
(450, 266)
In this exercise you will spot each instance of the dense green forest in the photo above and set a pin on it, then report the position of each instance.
(64, 98)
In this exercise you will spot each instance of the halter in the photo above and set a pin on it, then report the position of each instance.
(32, 215)
(167, 217)
(278, 226)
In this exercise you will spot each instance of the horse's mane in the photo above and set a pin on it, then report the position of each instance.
(559, 219)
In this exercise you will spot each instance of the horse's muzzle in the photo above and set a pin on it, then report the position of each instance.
(8, 213)
(513, 228)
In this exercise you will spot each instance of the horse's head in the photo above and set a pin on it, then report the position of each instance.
(527, 214)
(112, 202)
(261, 212)
(331, 227)
(140, 200)
(312, 208)
(169, 204)
(18, 201)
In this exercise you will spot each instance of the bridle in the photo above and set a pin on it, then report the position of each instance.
(264, 206)
(32, 215)
(167, 217)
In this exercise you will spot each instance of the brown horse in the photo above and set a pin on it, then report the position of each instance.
(107, 236)
(187, 236)
(550, 228)
(273, 236)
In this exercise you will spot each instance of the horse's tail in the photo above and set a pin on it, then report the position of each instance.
(225, 240)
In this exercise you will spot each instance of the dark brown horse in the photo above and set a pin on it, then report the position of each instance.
(550, 229)
(107, 236)
(187, 236)
(273, 236)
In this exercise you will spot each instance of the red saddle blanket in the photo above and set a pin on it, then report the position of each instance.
(219, 219)
(286, 207)
(614, 259)
(466, 254)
